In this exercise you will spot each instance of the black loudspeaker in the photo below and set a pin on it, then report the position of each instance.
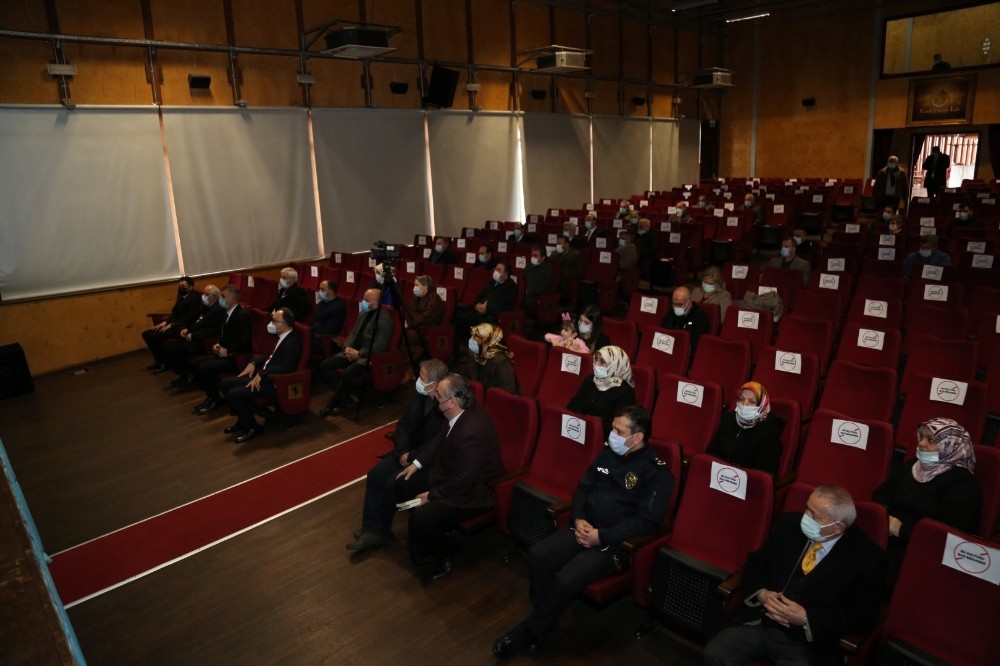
(441, 91)
(15, 379)
(808, 102)
(199, 81)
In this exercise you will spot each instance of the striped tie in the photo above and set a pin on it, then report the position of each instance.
(809, 561)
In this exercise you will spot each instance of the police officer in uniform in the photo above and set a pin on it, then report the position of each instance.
(624, 493)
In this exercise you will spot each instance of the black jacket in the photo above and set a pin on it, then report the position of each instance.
(235, 334)
(695, 322)
(758, 447)
(295, 299)
(591, 401)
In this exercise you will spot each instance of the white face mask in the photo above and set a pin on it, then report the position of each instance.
(925, 253)
(621, 242)
(618, 443)
(272, 328)
(496, 276)
(473, 346)
(601, 371)
(560, 249)
(482, 258)
(283, 283)
(418, 291)
(746, 413)
(680, 312)
(421, 386)
(535, 261)
(205, 301)
(928, 457)
(707, 288)
(439, 247)
(588, 224)
(797, 240)
(886, 216)
(786, 252)
(585, 329)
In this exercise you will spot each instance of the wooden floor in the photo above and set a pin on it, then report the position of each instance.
(98, 450)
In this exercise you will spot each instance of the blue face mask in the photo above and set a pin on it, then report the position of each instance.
(222, 303)
(323, 296)
(473, 346)
(928, 457)
(364, 307)
(811, 528)
(786, 252)
(618, 443)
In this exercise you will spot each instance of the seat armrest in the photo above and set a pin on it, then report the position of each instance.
(553, 510)
(729, 587)
(785, 479)
(633, 544)
(509, 475)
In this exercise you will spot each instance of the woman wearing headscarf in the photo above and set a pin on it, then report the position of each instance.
(939, 483)
(426, 309)
(749, 436)
(712, 290)
(488, 361)
(608, 389)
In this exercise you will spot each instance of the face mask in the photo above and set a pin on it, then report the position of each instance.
(567, 234)
(893, 166)
(811, 529)
(204, 299)
(535, 261)
(680, 312)
(748, 204)
(473, 346)
(617, 443)
(928, 457)
(283, 283)
(707, 288)
(623, 209)
(182, 291)
(324, 297)
(418, 291)
(886, 216)
(421, 387)
(588, 224)
(601, 371)
(786, 252)
(222, 303)
(482, 258)
(621, 242)
(746, 413)
(272, 328)
(364, 307)
(585, 329)
(439, 248)
(380, 279)
(642, 232)
(963, 216)
(559, 248)
(925, 253)
(496, 276)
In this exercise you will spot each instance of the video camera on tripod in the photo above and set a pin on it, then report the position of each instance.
(383, 254)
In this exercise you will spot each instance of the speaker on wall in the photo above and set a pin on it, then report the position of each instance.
(441, 90)
(808, 102)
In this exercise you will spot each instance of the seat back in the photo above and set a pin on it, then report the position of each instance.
(724, 362)
(839, 450)
(663, 350)
(564, 372)
(929, 355)
(567, 444)
(814, 336)
(622, 333)
(823, 304)
(790, 413)
(530, 359)
(787, 281)
(687, 412)
(871, 346)
(860, 391)
(739, 278)
(926, 319)
(881, 287)
(645, 386)
(988, 337)
(936, 396)
(516, 421)
(962, 628)
(754, 326)
(647, 310)
(988, 475)
(875, 313)
(872, 518)
(789, 375)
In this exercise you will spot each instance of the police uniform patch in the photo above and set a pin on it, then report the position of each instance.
(630, 480)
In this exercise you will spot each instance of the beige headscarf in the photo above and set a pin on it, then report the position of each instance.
(489, 336)
(619, 368)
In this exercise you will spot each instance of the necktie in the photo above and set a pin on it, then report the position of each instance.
(809, 561)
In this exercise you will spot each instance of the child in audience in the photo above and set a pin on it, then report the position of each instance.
(567, 336)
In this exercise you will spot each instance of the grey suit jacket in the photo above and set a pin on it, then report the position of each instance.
(382, 331)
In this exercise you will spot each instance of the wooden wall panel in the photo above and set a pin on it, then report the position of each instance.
(118, 18)
(736, 123)
(635, 54)
(606, 102)
(491, 35)
(663, 42)
(338, 83)
(570, 28)
(316, 12)
(663, 103)
(265, 23)
(531, 24)
(604, 40)
(176, 66)
(28, 15)
(445, 31)
(23, 77)
(269, 80)
(496, 92)
(571, 96)
(528, 82)
(109, 74)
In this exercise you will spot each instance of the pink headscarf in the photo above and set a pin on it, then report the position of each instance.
(954, 449)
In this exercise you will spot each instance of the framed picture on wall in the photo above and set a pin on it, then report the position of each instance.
(943, 100)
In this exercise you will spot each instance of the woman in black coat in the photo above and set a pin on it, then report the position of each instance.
(608, 389)
(749, 436)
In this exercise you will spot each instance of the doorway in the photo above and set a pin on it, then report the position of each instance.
(961, 148)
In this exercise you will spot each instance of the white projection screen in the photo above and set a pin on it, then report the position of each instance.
(676, 153)
(242, 187)
(557, 161)
(621, 157)
(372, 172)
(474, 169)
(83, 201)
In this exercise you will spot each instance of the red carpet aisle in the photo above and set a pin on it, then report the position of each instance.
(117, 557)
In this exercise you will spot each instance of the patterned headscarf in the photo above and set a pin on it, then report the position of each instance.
(489, 336)
(763, 405)
(619, 368)
(954, 449)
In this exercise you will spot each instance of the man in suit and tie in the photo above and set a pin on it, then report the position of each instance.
(191, 340)
(450, 478)
(254, 381)
(372, 324)
(497, 295)
(182, 315)
(817, 578)
(234, 338)
(291, 295)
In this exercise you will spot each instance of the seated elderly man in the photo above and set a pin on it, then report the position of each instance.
(817, 578)
(234, 338)
(352, 361)
(685, 315)
(191, 340)
(291, 295)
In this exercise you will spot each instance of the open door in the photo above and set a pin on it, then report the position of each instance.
(961, 150)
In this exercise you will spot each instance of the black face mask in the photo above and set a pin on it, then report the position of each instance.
(183, 291)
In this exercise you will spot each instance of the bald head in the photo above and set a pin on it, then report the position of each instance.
(681, 300)
(372, 296)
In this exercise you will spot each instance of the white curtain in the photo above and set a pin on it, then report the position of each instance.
(557, 161)
(474, 169)
(372, 173)
(242, 187)
(83, 201)
(621, 156)
(676, 153)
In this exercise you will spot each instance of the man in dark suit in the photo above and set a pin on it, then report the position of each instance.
(520, 235)
(685, 315)
(372, 324)
(497, 295)
(254, 381)
(441, 253)
(234, 338)
(328, 319)
(191, 341)
(539, 277)
(935, 168)
(570, 264)
(182, 315)
(450, 477)
(817, 578)
(291, 295)
(590, 228)
(420, 424)
(570, 234)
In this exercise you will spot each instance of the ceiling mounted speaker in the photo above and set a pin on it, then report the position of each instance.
(199, 81)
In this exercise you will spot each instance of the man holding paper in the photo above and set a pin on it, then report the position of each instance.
(816, 578)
